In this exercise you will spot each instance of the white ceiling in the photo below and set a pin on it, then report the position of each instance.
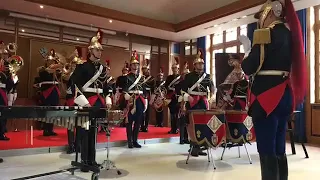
(172, 11)
(191, 33)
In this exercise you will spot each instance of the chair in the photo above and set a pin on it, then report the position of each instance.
(290, 130)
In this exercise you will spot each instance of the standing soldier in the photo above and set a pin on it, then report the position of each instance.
(70, 94)
(89, 79)
(277, 66)
(149, 85)
(49, 76)
(136, 104)
(118, 97)
(171, 82)
(182, 117)
(197, 86)
(158, 98)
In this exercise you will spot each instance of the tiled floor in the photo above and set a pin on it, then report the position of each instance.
(163, 162)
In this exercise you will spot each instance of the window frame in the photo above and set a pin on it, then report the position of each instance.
(317, 52)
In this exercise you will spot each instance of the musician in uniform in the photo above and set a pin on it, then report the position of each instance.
(118, 97)
(159, 92)
(183, 119)
(276, 62)
(197, 86)
(136, 104)
(171, 81)
(6, 82)
(89, 79)
(50, 75)
(108, 91)
(70, 94)
(149, 86)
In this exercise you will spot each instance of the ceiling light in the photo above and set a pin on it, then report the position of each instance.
(244, 16)
(41, 6)
(77, 39)
(110, 21)
(216, 25)
(22, 30)
(235, 19)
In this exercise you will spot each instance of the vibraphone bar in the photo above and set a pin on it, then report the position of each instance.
(66, 116)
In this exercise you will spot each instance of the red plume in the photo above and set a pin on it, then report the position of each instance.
(101, 35)
(200, 52)
(135, 54)
(299, 64)
(108, 62)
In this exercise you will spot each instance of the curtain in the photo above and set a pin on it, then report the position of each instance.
(176, 48)
(300, 121)
(201, 43)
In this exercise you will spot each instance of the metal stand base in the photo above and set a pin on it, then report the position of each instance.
(209, 155)
(233, 145)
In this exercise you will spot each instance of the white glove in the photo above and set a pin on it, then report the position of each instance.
(10, 97)
(245, 41)
(127, 96)
(108, 100)
(180, 98)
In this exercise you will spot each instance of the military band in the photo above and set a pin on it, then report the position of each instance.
(197, 88)
(277, 66)
(148, 83)
(171, 81)
(136, 104)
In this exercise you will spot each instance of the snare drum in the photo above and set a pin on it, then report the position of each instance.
(207, 127)
(239, 127)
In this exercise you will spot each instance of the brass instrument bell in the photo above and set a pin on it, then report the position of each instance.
(12, 47)
(15, 63)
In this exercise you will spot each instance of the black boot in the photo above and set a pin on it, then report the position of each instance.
(283, 167)
(269, 167)
(129, 135)
(1, 160)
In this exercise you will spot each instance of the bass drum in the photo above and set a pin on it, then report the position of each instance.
(207, 127)
(239, 127)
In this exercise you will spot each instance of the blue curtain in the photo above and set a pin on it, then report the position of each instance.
(201, 43)
(176, 48)
(300, 123)
(250, 29)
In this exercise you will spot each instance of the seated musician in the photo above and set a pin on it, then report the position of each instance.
(108, 91)
(183, 119)
(70, 94)
(50, 75)
(89, 79)
(118, 97)
(135, 102)
(149, 85)
(225, 89)
(6, 83)
(196, 88)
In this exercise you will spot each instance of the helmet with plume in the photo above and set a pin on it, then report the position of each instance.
(146, 64)
(134, 58)
(176, 62)
(161, 71)
(271, 6)
(186, 68)
(126, 66)
(95, 41)
(199, 57)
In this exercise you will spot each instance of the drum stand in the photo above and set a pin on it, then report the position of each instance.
(108, 164)
(238, 144)
(209, 155)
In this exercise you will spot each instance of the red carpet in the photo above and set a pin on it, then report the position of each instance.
(21, 140)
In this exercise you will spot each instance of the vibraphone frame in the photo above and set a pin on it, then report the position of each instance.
(33, 112)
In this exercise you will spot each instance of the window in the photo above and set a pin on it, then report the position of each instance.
(217, 39)
(231, 49)
(187, 50)
(315, 52)
(213, 70)
(231, 34)
(194, 49)
(190, 47)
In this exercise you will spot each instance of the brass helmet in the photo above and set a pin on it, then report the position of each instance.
(95, 42)
(77, 56)
(161, 71)
(15, 63)
(199, 57)
(134, 58)
(146, 64)
(186, 68)
(274, 6)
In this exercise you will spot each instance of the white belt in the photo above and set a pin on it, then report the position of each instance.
(240, 96)
(197, 93)
(93, 90)
(48, 82)
(273, 73)
(135, 92)
(2, 85)
(172, 89)
(148, 89)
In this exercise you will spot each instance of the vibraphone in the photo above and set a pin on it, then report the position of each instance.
(65, 116)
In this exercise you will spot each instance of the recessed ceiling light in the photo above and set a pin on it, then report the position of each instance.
(244, 16)
(41, 6)
(216, 25)
(77, 39)
(110, 21)
(235, 19)
(22, 30)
